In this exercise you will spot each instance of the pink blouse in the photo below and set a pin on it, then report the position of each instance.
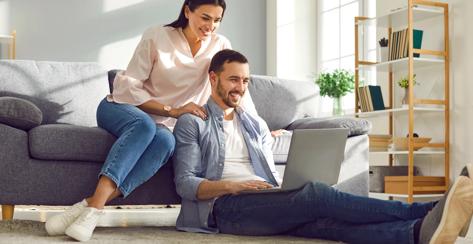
(163, 69)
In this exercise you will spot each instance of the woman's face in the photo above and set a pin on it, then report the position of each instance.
(204, 20)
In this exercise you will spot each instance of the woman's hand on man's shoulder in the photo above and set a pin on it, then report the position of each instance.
(190, 108)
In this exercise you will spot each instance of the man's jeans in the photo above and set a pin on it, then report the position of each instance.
(319, 211)
(141, 149)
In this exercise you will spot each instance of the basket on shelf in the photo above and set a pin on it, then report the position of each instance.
(401, 143)
(379, 142)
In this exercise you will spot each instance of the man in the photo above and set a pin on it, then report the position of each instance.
(219, 158)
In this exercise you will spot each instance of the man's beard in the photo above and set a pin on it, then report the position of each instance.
(226, 96)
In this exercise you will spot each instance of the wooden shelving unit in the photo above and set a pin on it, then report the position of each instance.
(11, 39)
(416, 10)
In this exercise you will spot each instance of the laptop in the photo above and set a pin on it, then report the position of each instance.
(315, 155)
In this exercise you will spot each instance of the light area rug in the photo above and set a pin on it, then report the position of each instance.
(27, 231)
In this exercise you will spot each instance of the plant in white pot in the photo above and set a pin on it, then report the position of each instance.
(383, 50)
(404, 83)
(336, 84)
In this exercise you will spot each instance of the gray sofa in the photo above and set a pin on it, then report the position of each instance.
(51, 150)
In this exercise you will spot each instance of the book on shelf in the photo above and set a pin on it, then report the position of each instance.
(364, 99)
(371, 98)
(417, 41)
(399, 43)
(376, 98)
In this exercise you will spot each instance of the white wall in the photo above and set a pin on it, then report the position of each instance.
(292, 39)
(4, 12)
(461, 87)
(107, 31)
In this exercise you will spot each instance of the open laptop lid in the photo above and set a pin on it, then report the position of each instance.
(314, 155)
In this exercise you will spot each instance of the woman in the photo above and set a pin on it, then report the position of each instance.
(166, 77)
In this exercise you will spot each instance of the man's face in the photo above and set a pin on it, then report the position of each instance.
(230, 85)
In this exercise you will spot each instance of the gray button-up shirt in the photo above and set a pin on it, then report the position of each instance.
(200, 154)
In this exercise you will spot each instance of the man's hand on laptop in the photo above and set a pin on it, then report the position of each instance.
(250, 185)
(276, 133)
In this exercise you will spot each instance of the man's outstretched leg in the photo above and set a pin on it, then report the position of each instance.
(276, 213)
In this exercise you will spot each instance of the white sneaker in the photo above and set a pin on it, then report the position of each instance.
(445, 221)
(84, 226)
(57, 225)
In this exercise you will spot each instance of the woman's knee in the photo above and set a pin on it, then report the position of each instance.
(144, 124)
(166, 139)
(119, 118)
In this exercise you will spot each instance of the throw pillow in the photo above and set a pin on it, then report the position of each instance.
(355, 126)
(19, 113)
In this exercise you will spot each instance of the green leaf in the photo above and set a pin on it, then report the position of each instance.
(335, 84)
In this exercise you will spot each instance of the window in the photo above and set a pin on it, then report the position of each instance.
(335, 44)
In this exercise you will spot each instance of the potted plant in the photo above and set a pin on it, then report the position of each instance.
(404, 83)
(383, 50)
(336, 84)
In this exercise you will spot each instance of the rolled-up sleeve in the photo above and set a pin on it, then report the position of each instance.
(128, 86)
(267, 141)
(187, 157)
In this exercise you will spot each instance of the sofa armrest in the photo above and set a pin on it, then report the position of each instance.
(355, 126)
(111, 78)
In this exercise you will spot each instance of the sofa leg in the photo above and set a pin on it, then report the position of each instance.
(7, 212)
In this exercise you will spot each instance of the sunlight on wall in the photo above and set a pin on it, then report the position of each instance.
(4, 17)
(117, 55)
(111, 5)
(295, 33)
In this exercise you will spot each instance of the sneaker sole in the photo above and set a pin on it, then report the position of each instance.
(76, 235)
(441, 234)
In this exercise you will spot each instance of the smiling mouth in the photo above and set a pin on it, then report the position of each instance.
(235, 95)
(205, 33)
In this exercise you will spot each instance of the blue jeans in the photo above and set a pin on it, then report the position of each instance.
(319, 211)
(141, 149)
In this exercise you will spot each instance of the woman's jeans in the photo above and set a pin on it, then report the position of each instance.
(319, 211)
(141, 149)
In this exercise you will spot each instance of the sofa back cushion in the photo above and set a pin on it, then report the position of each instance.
(65, 92)
(280, 102)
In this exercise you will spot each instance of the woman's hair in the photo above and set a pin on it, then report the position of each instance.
(182, 21)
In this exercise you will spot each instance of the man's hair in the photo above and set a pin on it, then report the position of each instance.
(225, 56)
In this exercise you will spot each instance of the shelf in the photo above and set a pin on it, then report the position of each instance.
(436, 61)
(6, 37)
(399, 64)
(398, 17)
(396, 110)
(420, 152)
(386, 195)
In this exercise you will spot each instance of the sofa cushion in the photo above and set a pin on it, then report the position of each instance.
(280, 102)
(65, 92)
(69, 142)
(19, 113)
(280, 147)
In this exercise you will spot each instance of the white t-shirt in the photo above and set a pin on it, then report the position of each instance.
(237, 166)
